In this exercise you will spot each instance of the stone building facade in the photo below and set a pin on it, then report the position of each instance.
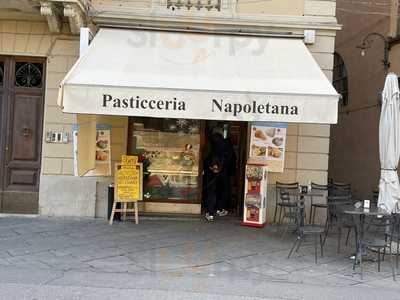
(49, 30)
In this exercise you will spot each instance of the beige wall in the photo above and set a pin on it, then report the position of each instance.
(306, 160)
(58, 158)
(307, 150)
(25, 38)
(275, 7)
(288, 7)
(122, 4)
(320, 7)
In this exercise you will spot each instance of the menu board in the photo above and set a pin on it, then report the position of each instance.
(267, 145)
(128, 178)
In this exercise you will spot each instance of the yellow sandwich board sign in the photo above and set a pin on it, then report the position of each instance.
(128, 178)
(128, 185)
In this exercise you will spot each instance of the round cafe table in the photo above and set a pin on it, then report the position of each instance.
(362, 212)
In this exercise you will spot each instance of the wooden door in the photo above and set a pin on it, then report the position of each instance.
(2, 123)
(23, 99)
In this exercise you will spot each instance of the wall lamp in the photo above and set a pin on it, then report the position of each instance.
(366, 44)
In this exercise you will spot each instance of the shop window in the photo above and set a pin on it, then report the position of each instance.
(169, 150)
(340, 78)
(29, 75)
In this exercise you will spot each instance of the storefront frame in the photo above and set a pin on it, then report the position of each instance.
(241, 159)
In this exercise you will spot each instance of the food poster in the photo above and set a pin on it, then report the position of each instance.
(267, 145)
(103, 151)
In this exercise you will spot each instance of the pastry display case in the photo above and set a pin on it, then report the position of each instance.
(171, 149)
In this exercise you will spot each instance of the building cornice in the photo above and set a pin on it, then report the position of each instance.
(214, 22)
(74, 10)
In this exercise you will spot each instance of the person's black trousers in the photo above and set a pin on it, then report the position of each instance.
(211, 193)
(223, 191)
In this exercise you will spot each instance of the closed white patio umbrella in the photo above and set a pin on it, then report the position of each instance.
(389, 145)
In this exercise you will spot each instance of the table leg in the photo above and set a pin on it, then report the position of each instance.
(356, 258)
(300, 223)
(360, 237)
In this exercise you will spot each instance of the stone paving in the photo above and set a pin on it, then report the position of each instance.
(58, 258)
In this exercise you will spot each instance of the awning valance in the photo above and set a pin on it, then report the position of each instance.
(199, 76)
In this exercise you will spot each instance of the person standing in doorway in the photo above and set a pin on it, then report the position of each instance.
(225, 150)
(221, 159)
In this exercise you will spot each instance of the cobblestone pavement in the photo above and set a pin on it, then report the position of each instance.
(58, 258)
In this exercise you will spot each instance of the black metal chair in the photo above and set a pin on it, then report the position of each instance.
(396, 237)
(341, 184)
(338, 219)
(288, 211)
(314, 206)
(279, 204)
(375, 196)
(379, 237)
(340, 189)
(307, 230)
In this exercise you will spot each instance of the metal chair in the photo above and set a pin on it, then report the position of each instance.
(396, 237)
(287, 211)
(314, 206)
(379, 237)
(341, 184)
(338, 219)
(375, 196)
(307, 230)
(340, 189)
(285, 187)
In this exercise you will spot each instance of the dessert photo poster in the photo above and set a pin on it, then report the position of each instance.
(103, 151)
(267, 145)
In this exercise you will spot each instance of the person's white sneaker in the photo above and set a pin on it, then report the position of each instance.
(209, 217)
(222, 213)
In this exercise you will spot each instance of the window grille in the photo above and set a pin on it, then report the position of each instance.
(340, 78)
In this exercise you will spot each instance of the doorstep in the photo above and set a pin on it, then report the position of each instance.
(177, 217)
(23, 215)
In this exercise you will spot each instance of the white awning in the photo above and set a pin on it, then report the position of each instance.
(199, 76)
